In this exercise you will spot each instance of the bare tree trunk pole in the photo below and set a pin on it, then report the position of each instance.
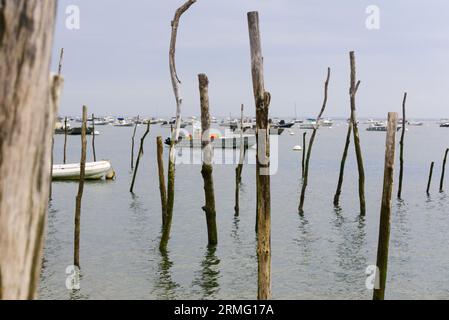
(207, 169)
(309, 149)
(401, 170)
(76, 259)
(355, 128)
(133, 143)
(162, 188)
(262, 101)
(429, 182)
(93, 138)
(65, 140)
(342, 166)
(139, 156)
(239, 169)
(175, 135)
(443, 170)
(385, 212)
(304, 151)
(27, 120)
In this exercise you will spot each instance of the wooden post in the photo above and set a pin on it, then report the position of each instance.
(262, 101)
(132, 143)
(162, 188)
(207, 169)
(175, 135)
(429, 182)
(443, 170)
(309, 149)
(401, 170)
(342, 166)
(65, 140)
(61, 58)
(358, 150)
(385, 212)
(76, 259)
(93, 138)
(304, 150)
(239, 169)
(139, 156)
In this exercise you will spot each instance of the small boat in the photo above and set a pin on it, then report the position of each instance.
(297, 148)
(77, 131)
(380, 126)
(94, 171)
(121, 122)
(309, 125)
(60, 127)
(444, 125)
(415, 123)
(284, 125)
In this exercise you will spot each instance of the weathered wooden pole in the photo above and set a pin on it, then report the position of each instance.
(262, 101)
(443, 170)
(61, 58)
(309, 149)
(132, 143)
(65, 140)
(139, 156)
(429, 182)
(162, 188)
(25, 163)
(239, 169)
(304, 150)
(355, 128)
(175, 134)
(76, 259)
(206, 172)
(385, 212)
(342, 166)
(401, 169)
(93, 138)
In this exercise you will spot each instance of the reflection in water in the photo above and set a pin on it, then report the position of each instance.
(304, 240)
(235, 231)
(77, 294)
(207, 277)
(165, 286)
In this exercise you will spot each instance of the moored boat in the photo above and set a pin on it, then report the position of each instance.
(94, 171)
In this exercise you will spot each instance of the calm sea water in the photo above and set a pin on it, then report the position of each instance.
(322, 255)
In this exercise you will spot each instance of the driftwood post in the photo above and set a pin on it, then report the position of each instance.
(312, 139)
(262, 101)
(132, 143)
(162, 188)
(429, 182)
(401, 169)
(93, 138)
(385, 212)
(24, 188)
(239, 169)
(175, 135)
(139, 156)
(342, 166)
(76, 259)
(443, 170)
(207, 169)
(304, 150)
(355, 128)
(65, 140)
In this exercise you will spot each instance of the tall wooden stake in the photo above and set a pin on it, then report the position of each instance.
(443, 170)
(132, 143)
(342, 166)
(139, 156)
(65, 140)
(429, 182)
(304, 150)
(309, 149)
(401, 170)
(262, 101)
(76, 259)
(358, 149)
(239, 169)
(162, 188)
(207, 169)
(175, 134)
(93, 138)
(385, 212)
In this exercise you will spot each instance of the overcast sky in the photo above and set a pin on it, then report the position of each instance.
(117, 63)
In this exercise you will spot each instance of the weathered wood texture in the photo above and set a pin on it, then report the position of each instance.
(262, 102)
(401, 157)
(26, 127)
(342, 166)
(443, 170)
(429, 182)
(207, 169)
(304, 152)
(162, 188)
(385, 212)
(79, 196)
(139, 156)
(93, 138)
(133, 138)
(239, 169)
(355, 128)
(311, 141)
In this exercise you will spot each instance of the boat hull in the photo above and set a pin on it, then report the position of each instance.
(94, 171)
(221, 143)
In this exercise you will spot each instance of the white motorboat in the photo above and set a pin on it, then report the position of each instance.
(123, 123)
(380, 126)
(94, 171)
